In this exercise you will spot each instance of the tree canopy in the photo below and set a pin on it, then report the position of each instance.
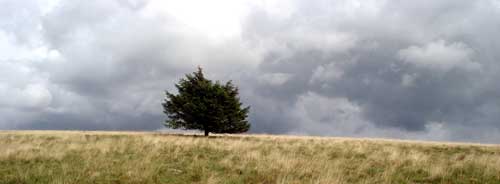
(205, 105)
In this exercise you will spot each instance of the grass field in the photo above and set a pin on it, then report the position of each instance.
(134, 157)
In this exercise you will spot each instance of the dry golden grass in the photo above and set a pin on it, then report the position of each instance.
(146, 157)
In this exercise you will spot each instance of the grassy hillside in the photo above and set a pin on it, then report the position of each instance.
(128, 157)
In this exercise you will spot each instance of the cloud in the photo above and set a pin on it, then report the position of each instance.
(440, 56)
(398, 69)
(344, 68)
(274, 79)
(327, 116)
(32, 96)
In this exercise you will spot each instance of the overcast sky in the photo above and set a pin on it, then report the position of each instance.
(426, 69)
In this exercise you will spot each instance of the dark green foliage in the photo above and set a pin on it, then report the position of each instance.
(204, 105)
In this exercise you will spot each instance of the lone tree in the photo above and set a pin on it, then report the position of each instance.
(204, 105)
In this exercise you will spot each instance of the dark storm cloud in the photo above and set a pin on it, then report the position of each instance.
(420, 70)
(408, 65)
(107, 66)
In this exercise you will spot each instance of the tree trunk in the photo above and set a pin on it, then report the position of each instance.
(206, 132)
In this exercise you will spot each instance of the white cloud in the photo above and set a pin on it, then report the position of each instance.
(332, 41)
(408, 80)
(274, 79)
(327, 116)
(218, 19)
(326, 73)
(23, 86)
(441, 56)
(32, 96)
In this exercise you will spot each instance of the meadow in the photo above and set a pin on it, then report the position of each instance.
(147, 157)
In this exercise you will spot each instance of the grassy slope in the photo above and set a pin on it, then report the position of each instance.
(114, 157)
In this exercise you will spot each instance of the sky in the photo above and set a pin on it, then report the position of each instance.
(422, 70)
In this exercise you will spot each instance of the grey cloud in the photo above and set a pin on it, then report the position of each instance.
(110, 64)
(20, 20)
(429, 41)
(416, 70)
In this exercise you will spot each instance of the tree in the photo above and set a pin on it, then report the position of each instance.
(204, 105)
